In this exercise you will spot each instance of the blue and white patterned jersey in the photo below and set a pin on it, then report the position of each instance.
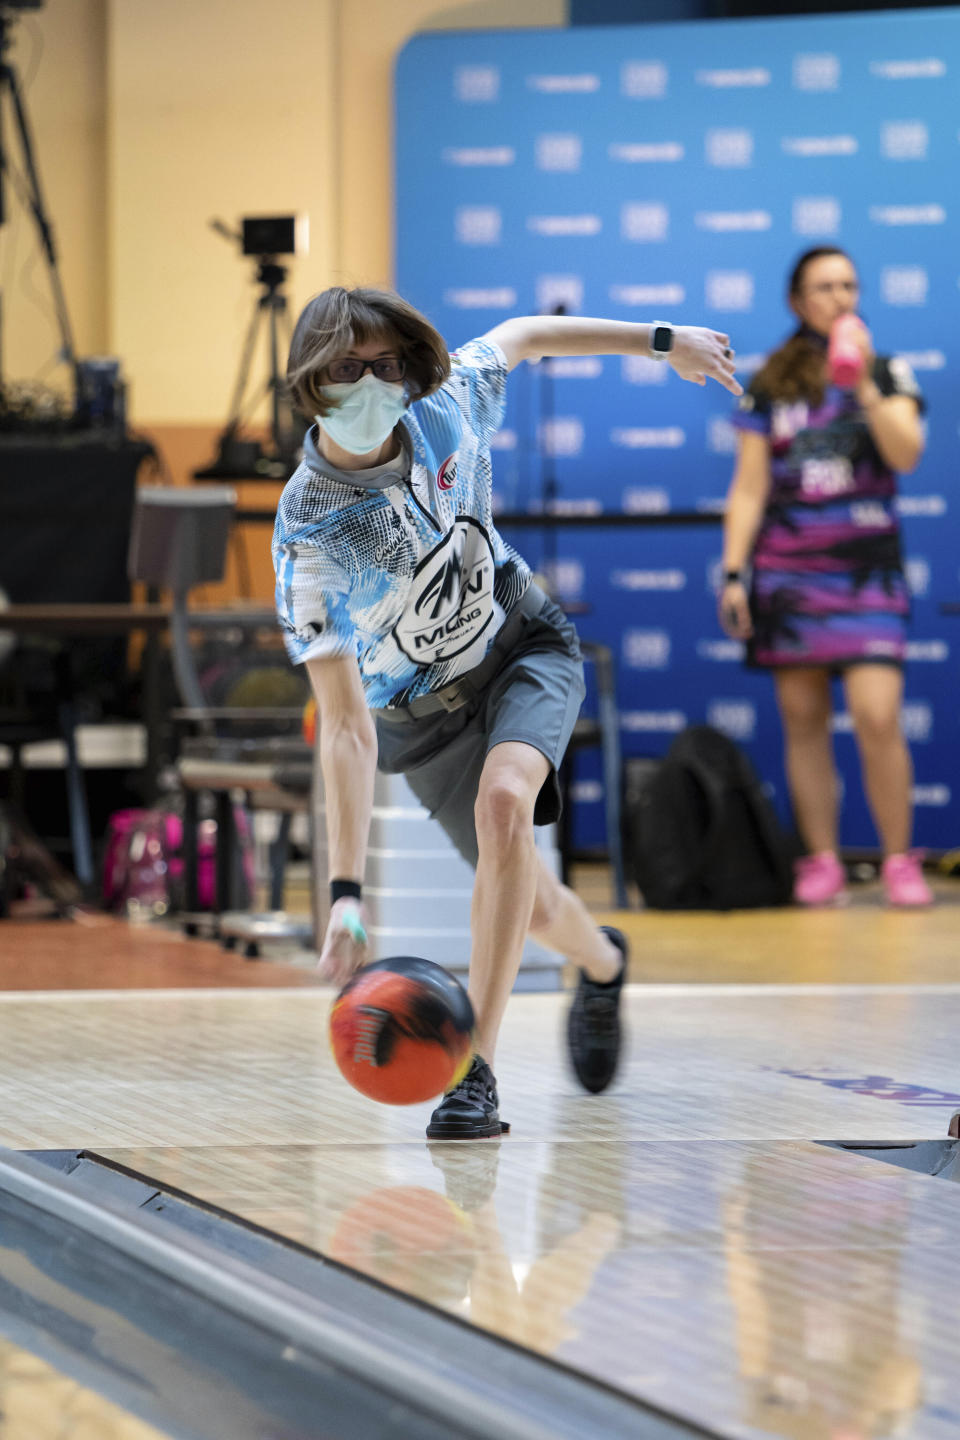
(412, 578)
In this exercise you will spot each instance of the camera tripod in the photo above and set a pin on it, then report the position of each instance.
(238, 458)
(30, 193)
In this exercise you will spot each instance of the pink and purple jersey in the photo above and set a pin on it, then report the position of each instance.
(828, 585)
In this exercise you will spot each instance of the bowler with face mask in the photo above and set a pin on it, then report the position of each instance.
(431, 651)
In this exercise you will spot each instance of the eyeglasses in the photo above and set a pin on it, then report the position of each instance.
(849, 287)
(348, 372)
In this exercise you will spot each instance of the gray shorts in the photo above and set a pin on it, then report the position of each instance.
(534, 697)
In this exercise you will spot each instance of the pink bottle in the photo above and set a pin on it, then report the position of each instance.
(844, 356)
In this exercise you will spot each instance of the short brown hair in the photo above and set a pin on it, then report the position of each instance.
(337, 319)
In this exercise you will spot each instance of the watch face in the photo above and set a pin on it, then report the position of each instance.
(662, 339)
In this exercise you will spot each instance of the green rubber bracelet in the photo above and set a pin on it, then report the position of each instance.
(353, 923)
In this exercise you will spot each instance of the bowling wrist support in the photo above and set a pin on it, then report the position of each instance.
(345, 889)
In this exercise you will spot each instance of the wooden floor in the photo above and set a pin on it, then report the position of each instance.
(681, 1237)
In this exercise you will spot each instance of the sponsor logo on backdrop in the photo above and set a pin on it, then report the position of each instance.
(921, 505)
(476, 84)
(937, 795)
(917, 721)
(479, 155)
(644, 221)
(558, 152)
(564, 84)
(646, 649)
(646, 500)
(586, 505)
(922, 359)
(730, 149)
(727, 221)
(586, 792)
(904, 140)
(648, 579)
(736, 718)
(933, 652)
(721, 435)
(504, 440)
(650, 722)
(816, 215)
(478, 224)
(747, 78)
(501, 298)
(816, 72)
(917, 571)
(643, 79)
(818, 146)
(746, 364)
(722, 651)
(641, 370)
(904, 284)
(565, 224)
(652, 153)
(554, 290)
(714, 575)
(929, 69)
(641, 437)
(562, 436)
(566, 578)
(648, 295)
(908, 214)
(574, 367)
(729, 290)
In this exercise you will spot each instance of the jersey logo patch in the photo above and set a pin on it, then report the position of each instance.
(447, 474)
(450, 603)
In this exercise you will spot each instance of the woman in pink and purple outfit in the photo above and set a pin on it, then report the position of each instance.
(811, 512)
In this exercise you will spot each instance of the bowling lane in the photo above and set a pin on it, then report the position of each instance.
(678, 1237)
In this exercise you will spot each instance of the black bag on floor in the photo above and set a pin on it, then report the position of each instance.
(701, 833)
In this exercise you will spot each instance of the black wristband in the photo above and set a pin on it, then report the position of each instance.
(733, 577)
(343, 889)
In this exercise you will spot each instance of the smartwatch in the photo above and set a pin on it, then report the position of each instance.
(661, 339)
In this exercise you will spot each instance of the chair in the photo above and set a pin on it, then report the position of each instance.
(603, 731)
(179, 540)
(25, 720)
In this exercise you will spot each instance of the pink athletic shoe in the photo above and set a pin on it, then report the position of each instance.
(819, 879)
(903, 880)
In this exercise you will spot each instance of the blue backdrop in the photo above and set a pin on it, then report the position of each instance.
(675, 172)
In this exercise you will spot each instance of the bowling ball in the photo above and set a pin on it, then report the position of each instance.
(401, 1030)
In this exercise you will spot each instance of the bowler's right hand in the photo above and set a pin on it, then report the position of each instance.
(734, 607)
(345, 945)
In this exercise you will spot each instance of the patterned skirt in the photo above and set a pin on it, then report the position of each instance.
(830, 610)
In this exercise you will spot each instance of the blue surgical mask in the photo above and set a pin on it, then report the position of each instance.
(364, 413)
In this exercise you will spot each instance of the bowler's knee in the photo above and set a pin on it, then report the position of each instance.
(504, 808)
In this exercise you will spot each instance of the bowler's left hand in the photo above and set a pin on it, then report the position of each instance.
(699, 354)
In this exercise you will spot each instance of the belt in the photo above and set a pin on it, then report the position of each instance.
(467, 686)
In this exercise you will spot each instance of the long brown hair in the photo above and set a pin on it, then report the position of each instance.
(796, 370)
(337, 319)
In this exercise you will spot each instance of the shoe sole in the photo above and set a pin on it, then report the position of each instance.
(835, 902)
(454, 1132)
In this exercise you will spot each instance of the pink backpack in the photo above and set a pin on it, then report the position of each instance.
(143, 865)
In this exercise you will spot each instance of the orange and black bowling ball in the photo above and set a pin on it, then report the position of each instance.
(402, 1030)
